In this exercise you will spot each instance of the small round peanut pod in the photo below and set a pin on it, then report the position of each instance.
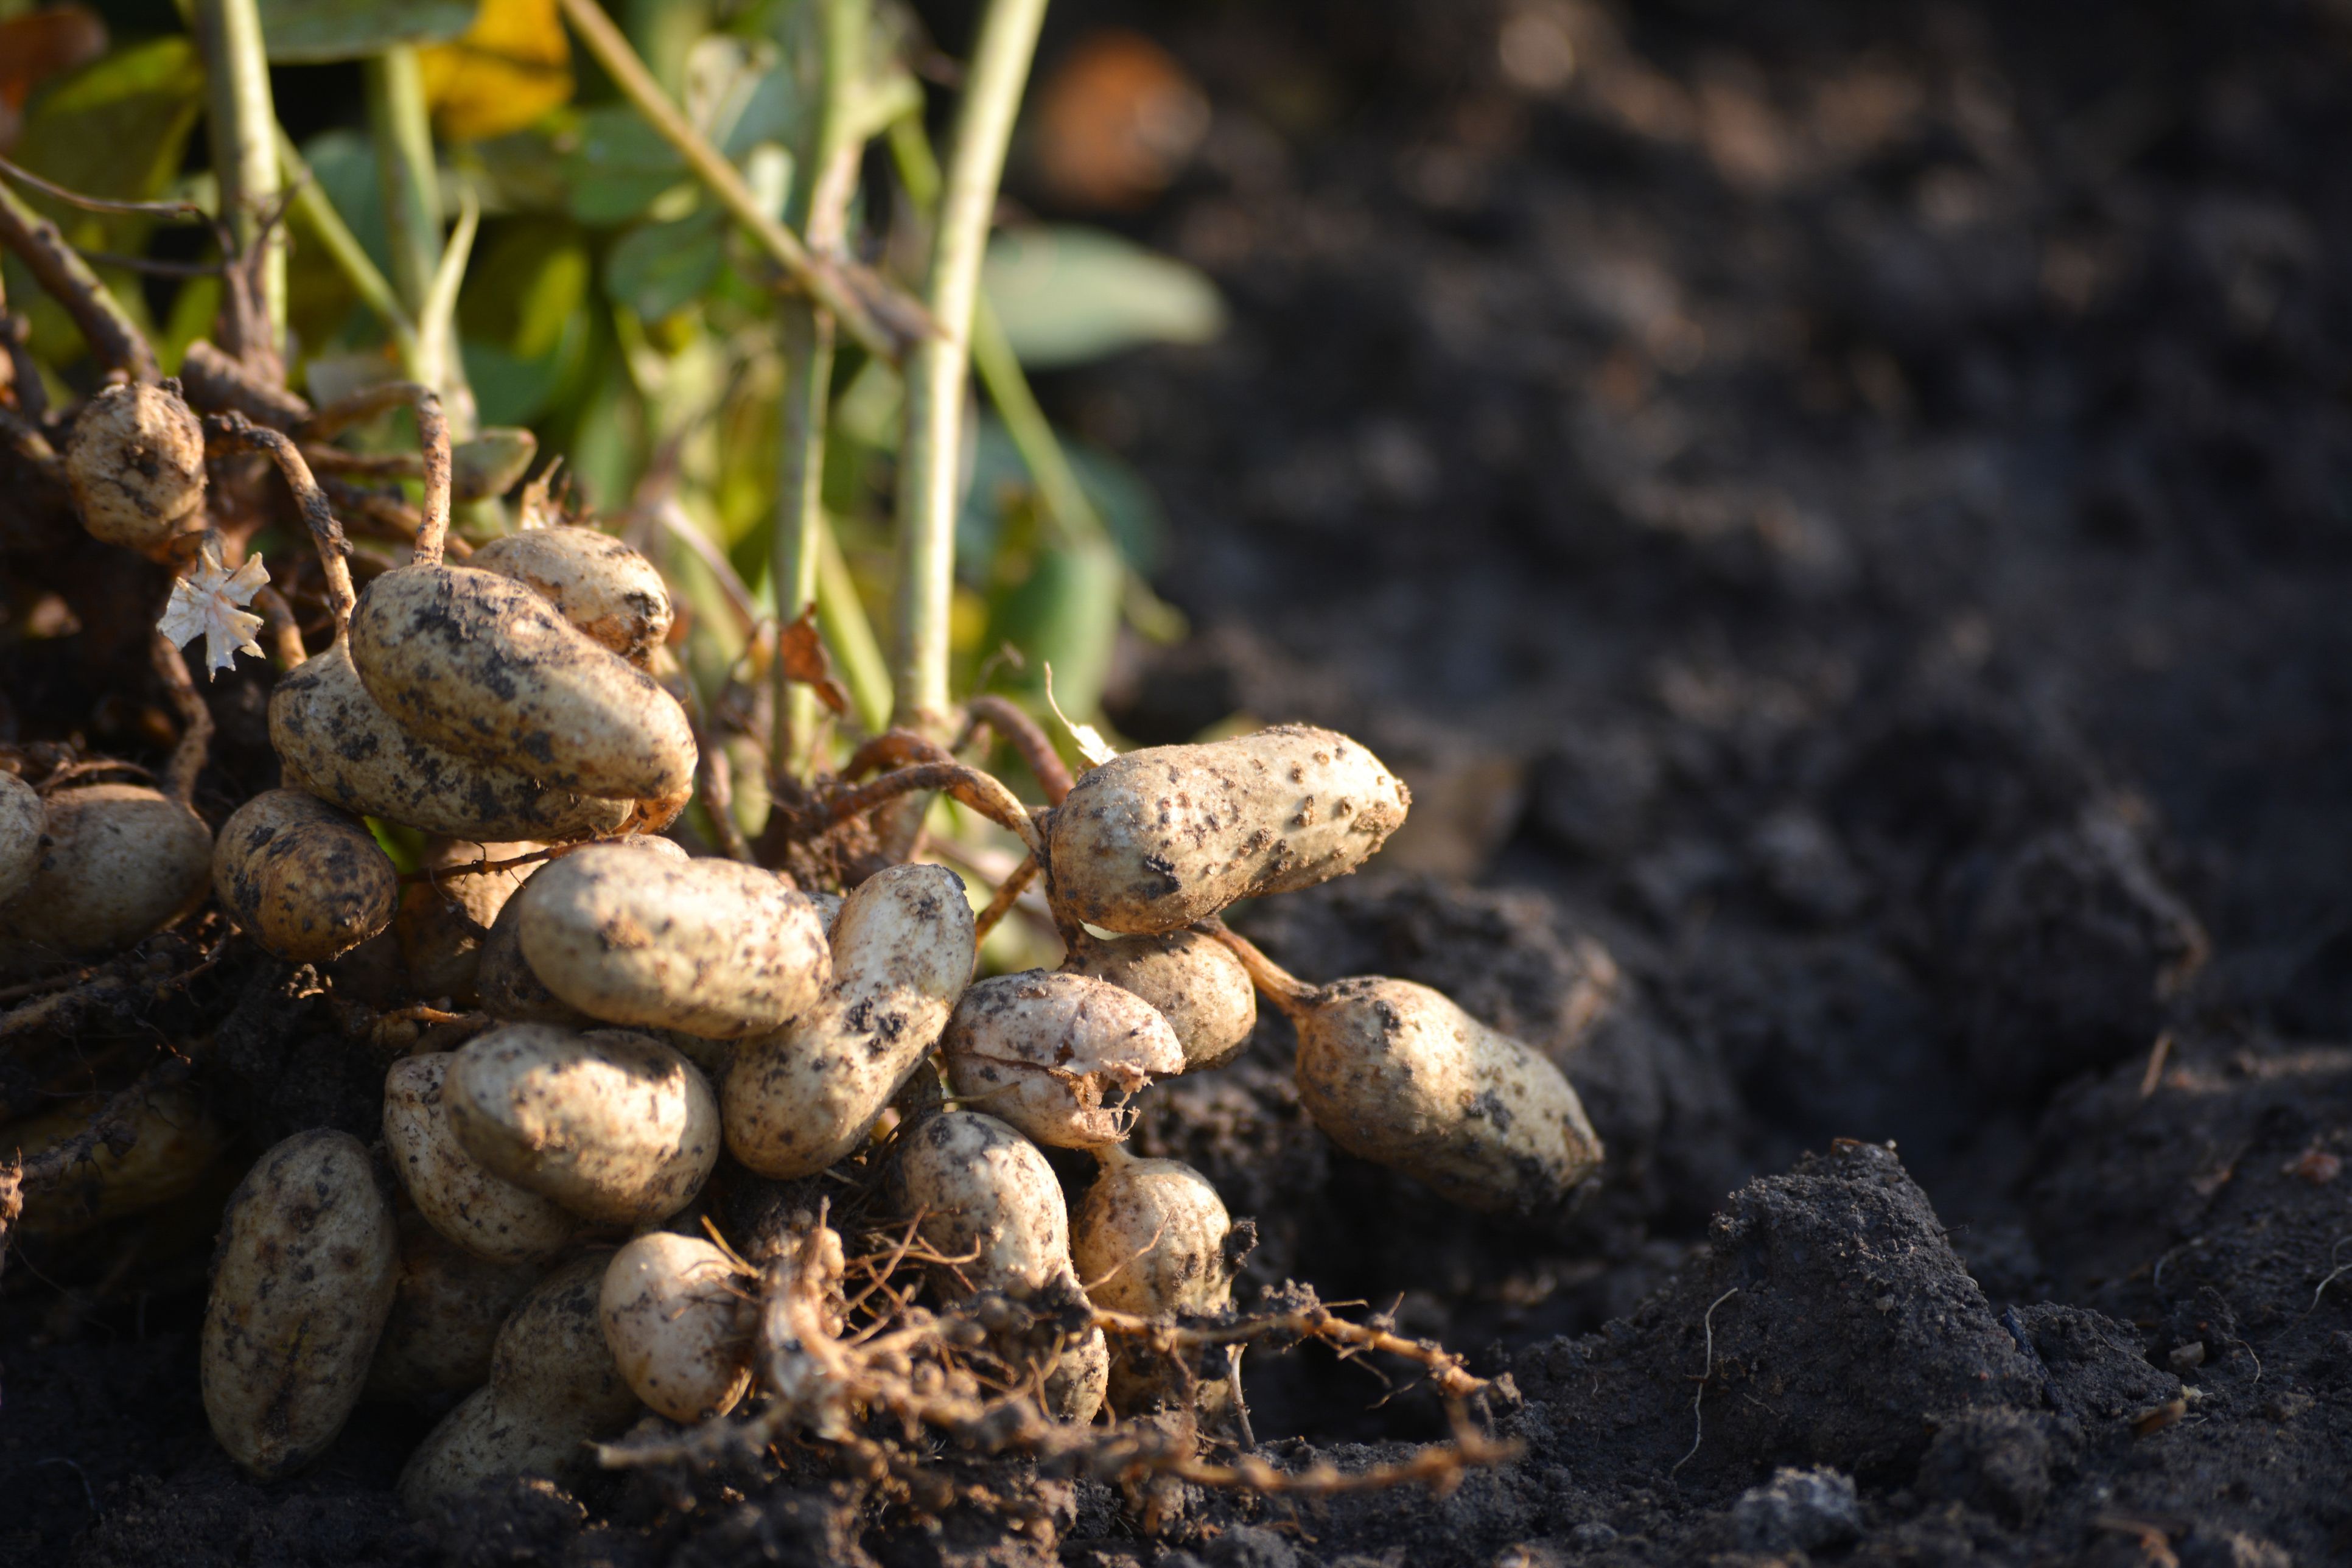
(482, 665)
(1159, 839)
(1395, 1073)
(174, 1141)
(613, 1126)
(985, 1197)
(117, 862)
(22, 821)
(446, 1314)
(308, 1261)
(135, 463)
(713, 947)
(553, 1389)
(1150, 1238)
(444, 919)
(1080, 1380)
(611, 593)
(678, 1325)
(803, 1098)
(1057, 1055)
(1190, 979)
(339, 743)
(484, 1214)
(305, 880)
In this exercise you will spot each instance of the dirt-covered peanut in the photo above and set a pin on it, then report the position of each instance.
(613, 1126)
(1057, 1056)
(336, 742)
(553, 1389)
(1150, 1236)
(135, 463)
(483, 1214)
(678, 1324)
(117, 861)
(1190, 979)
(446, 1314)
(174, 1141)
(303, 879)
(1080, 1380)
(505, 983)
(22, 821)
(444, 921)
(985, 1193)
(803, 1098)
(302, 1282)
(1158, 838)
(482, 665)
(615, 596)
(714, 948)
(1395, 1073)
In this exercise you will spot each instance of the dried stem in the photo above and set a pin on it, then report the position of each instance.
(893, 749)
(1006, 717)
(24, 381)
(235, 433)
(982, 792)
(1281, 987)
(216, 383)
(68, 279)
(31, 444)
(285, 632)
(1305, 1320)
(1008, 893)
(432, 439)
(196, 722)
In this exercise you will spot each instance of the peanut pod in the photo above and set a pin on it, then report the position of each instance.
(678, 1325)
(446, 1314)
(478, 1211)
(1057, 1055)
(135, 463)
(305, 880)
(174, 1141)
(22, 821)
(612, 593)
(117, 861)
(1190, 979)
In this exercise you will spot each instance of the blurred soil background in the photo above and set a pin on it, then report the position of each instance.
(1842, 512)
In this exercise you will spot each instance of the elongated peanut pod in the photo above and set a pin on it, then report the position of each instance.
(303, 1284)
(482, 665)
(339, 743)
(22, 820)
(711, 947)
(305, 880)
(613, 1126)
(482, 1213)
(1158, 838)
(612, 593)
(1189, 978)
(1057, 1056)
(1395, 1073)
(553, 1389)
(116, 861)
(678, 1325)
(804, 1096)
(446, 1315)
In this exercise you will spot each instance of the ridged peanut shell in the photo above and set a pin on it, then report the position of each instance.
(1192, 981)
(477, 1210)
(135, 463)
(714, 948)
(1156, 840)
(305, 880)
(1057, 1056)
(679, 1324)
(444, 921)
(1150, 1238)
(611, 593)
(309, 1260)
(484, 666)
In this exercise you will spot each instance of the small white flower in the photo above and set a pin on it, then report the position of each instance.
(205, 604)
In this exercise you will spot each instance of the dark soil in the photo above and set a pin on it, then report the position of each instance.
(1843, 513)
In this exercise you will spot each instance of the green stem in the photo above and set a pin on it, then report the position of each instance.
(344, 249)
(409, 181)
(931, 451)
(825, 278)
(840, 617)
(244, 124)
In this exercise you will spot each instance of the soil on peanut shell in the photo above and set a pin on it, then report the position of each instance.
(1842, 513)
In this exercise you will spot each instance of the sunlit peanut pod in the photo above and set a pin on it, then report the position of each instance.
(987, 1198)
(504, 981)
(1150, 1238)
(714, 948)
(1395, 1073)
(135, 463)
(446, 1315)
(1057, 1056)
(616, 1127)
(679, 1324)
(484, 666)
(476, 1208)
(1190, 979)
(116, 862)
(337, 743)
(611, 593)
(304, 1279)
(1156, 840)
(305, 880)
(804, 1096)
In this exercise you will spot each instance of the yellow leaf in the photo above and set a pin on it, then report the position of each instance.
(511, 66)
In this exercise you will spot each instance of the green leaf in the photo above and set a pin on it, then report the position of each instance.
(306, 32)
(524, 326)
(115, 129)
(1065, 614)
(617, 166)
(1067, 294)
(656, 269)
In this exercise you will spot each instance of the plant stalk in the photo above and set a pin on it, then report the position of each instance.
(930, 455)
(840, 617)
(244, 127)
(409, 180)
(344, 249)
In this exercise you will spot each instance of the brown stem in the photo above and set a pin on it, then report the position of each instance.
(285, 633)
(196, 722)
(216, 383)
(233, 432)
(1311, 1321)
(1283, 989)
(717, 788)
(432, 439)
(983, 793)
(111, 333)
(893, 748)
(1007, 718)
(1008, 893)
(32, 445)
(386, 516)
